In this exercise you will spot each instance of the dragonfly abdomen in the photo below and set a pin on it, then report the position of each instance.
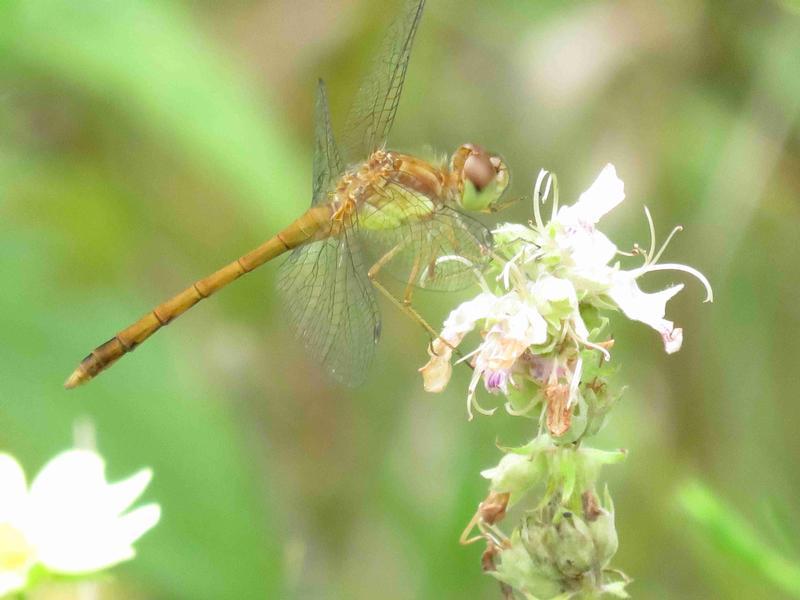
(310, 225)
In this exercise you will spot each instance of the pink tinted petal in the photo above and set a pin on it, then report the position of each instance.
(673, 339)
(495, 381)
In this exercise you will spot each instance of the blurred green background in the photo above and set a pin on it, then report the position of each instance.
(143, 144)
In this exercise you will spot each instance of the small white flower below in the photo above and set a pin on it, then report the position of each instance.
(71, 520)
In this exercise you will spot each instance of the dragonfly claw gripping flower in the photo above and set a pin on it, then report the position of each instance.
(542, 317)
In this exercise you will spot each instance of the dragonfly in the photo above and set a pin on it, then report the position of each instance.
(374, 211)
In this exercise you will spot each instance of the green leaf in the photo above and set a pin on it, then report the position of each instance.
(732, 535)
(148, 60)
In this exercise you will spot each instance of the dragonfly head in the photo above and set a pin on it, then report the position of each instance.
(483, 177)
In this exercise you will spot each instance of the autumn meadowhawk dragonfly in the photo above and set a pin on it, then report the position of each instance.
(373, 211)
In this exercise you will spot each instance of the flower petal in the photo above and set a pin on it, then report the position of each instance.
(86, 546)
(603, 195)
(591, 252)
(74, 519)
(12, 581)
(62, 555)
(17, 556)
(436, 373)
(463, 318)
(137, 522)
(122, 494)
(672, 339)
(647, 308)
(69, 474)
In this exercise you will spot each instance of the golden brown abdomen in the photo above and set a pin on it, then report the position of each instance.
(314, 223)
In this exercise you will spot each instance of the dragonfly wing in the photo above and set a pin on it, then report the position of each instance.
(327, 159)
(376, 102)
(434, 247)
(332, 306)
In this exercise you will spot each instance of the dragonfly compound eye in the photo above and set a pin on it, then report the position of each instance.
(484, 178)
(479, 170)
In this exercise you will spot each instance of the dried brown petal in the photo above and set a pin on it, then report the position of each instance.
(591, 509)
(487, 558)
(493, 509)
(559, 414)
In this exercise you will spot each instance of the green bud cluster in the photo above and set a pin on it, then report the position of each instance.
(559, 553)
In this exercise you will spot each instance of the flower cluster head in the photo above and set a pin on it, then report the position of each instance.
(542, 313)
(541, 316)
(70, 521)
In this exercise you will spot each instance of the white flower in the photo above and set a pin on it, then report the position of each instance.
(583, 248)
(585, 252)
(548, 273)
(71, 519)
(436, 373)
(512, 323)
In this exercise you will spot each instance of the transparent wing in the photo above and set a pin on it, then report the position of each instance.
(331, 304)
(411, 234)
(376, 102)
(327, 160)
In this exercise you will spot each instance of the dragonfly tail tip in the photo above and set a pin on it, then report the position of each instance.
(77, 377)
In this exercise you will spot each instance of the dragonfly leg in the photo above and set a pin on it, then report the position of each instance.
(408, 310)
(409, 292)
(405, 304)
(505, 204)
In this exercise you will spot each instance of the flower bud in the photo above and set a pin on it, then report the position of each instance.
(515, 473)
(572, 547)
(601, 525)
(516, 568)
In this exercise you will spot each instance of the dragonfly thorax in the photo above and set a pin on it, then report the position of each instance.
(384, 177)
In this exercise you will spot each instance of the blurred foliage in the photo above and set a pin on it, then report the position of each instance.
(145, 143)
(734, 538)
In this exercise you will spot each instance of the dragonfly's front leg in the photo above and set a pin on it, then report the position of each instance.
(405, 304)
(497, 207)
(406, 308)
(412, 277)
